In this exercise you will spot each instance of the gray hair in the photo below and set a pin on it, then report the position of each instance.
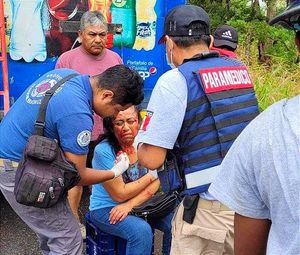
(92, 18)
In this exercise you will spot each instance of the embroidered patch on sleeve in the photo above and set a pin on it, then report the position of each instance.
(146, 116)
(84, 138)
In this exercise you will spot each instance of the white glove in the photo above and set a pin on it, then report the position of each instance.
(121, 164)
(153, 173)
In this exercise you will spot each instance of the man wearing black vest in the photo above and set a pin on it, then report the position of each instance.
(201, 106)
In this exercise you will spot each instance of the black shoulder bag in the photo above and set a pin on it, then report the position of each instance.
(44, 175)
(163, 203)
(158, 206)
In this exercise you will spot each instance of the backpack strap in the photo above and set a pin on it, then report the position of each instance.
(40, 121)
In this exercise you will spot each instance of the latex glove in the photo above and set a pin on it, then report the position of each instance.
(153, 173)
(121, 164)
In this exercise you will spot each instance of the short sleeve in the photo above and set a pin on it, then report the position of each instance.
(236, 185)
(119, 59)
(59, 62)
(167, 106)
(75, 132)
(104, 156)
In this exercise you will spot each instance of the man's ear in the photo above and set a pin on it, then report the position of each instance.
(211, 41)
(79, 36)
(107, 94)
(169, 43)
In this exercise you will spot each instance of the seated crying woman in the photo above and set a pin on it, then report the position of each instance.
(112, 201)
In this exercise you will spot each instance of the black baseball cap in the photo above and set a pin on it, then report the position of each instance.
(178, 20)
(284, 19)
(226, 36)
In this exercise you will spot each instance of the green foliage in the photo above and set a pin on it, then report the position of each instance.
(280, 42)
(274, 83)
(221, 13)
(268, 51)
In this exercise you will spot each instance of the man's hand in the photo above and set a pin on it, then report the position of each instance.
(119, 212)
(121, 164)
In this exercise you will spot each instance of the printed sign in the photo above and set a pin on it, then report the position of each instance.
(224, 78)
(144, 68)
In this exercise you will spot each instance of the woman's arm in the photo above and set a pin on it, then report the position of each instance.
(104, 158)
(121, 192)
(145, 195)
(119, 212)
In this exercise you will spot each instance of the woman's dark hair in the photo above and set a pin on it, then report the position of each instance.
(127, 84)
(109, 130)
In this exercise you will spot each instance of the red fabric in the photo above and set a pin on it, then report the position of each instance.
(226, 53)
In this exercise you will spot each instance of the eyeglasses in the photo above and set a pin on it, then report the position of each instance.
(121, 123)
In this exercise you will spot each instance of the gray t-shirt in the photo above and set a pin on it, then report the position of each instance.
(260, 175)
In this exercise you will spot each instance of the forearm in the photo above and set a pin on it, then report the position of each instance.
(91, 176)
(132, 189)
(250, 235)
(145, 195)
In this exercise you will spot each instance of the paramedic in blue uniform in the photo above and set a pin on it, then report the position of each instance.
(201, 105)
(69, 119)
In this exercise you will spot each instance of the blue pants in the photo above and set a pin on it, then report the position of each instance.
(135, 230)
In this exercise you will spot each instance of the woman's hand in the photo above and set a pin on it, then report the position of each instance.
(119, 212)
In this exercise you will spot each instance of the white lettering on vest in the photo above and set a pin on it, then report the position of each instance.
(225, 78)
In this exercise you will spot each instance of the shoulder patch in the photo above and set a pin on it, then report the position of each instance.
(37, 91)
(146, 117)
(84, 138)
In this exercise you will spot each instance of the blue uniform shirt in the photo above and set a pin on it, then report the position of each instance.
(68, 116)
